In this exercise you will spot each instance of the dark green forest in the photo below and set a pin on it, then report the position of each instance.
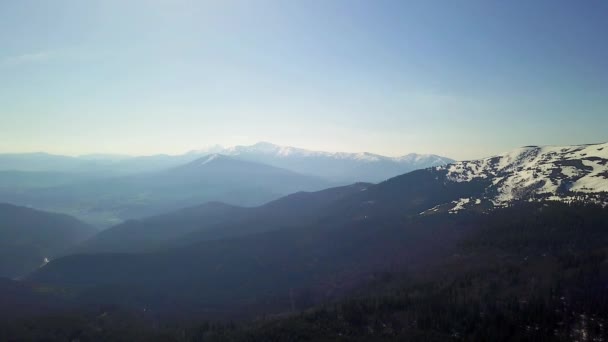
(530, 272)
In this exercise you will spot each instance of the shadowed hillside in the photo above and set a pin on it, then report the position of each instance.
(28, 237)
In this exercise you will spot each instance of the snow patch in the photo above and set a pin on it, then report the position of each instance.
(533, 171)
(459, 205)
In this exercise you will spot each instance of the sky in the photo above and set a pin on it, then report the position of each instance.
(463, 79)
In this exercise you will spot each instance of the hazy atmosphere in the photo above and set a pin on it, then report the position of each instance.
(389, 77)
(303, 171)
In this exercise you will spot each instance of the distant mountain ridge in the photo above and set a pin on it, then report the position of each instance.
(264, 147)
(208, 178)
(337, 166)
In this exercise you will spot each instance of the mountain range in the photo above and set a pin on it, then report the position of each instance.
(104, 190)
(431, 254)
(338, 167)
(210, 178)
(566, 174)
(325, 242)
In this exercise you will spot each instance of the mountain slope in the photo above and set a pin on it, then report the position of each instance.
(560, 173)
(220, 168)
(524, 274)
(529, 272)
(253, 272)
(28, 237)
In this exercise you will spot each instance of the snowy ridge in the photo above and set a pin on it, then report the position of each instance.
(337, 167)
(266, 148)
(557, 173)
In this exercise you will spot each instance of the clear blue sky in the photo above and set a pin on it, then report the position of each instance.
(464, 79)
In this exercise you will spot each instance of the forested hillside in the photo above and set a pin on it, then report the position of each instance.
(530, 272)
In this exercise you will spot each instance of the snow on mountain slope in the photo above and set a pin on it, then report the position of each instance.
(288, 151)
(423, 159)
(337, 166)
(562, 173)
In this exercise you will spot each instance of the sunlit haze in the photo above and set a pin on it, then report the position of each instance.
(460, 79)
(303, 170)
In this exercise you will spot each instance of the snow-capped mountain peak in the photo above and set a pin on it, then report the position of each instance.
(562, 173)
(343, 167)
(268, 148)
